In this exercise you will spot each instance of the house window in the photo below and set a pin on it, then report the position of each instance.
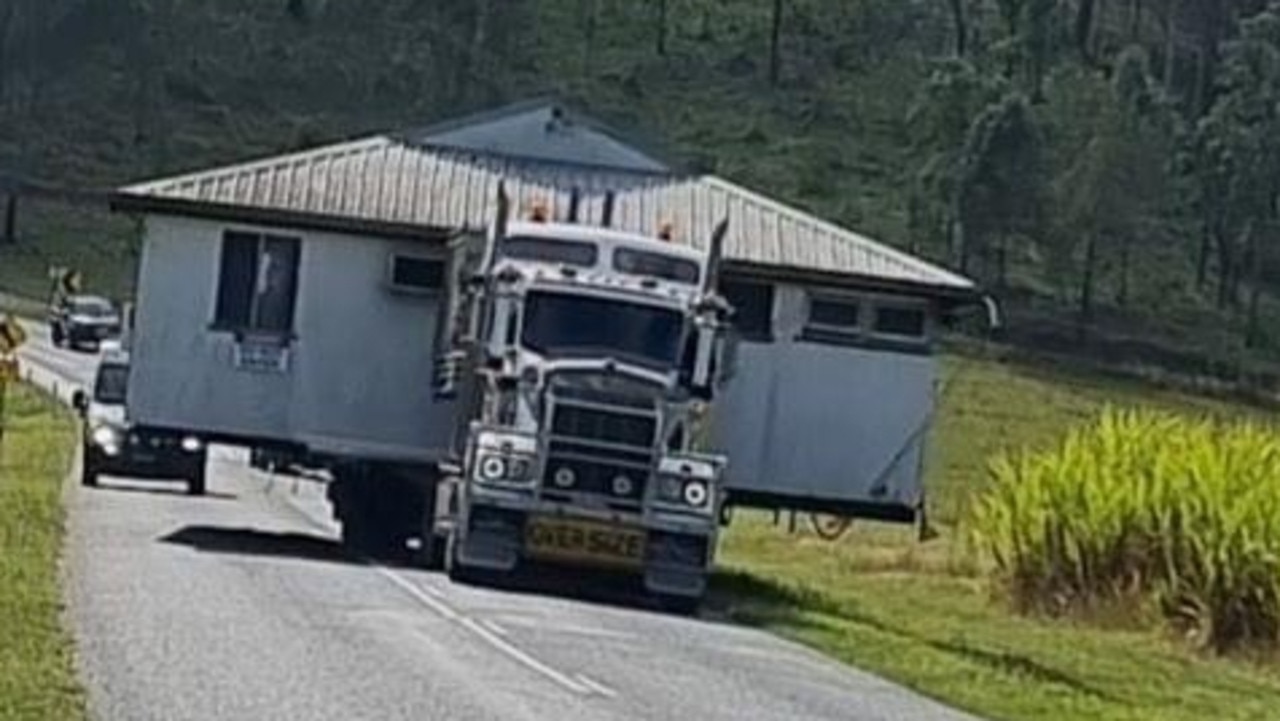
(257, 283)
(899, 321)
(752, 308)
(416, 275)
(833, 319)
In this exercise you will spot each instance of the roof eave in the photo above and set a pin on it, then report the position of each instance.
(125, 202)
(948, 294)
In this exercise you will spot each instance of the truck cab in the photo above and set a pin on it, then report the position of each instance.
(590, 358)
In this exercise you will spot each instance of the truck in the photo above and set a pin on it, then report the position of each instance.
(583, 360)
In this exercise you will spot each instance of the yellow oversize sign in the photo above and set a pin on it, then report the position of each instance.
(12, 336)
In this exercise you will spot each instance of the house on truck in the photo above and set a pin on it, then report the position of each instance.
(302, 302)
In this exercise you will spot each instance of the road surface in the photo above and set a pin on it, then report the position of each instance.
(241, 605)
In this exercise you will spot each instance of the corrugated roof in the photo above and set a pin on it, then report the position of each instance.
(386, 180)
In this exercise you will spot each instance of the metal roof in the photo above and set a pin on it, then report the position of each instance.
(387, 181)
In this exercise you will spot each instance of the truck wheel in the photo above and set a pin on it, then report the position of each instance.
(680, 605)
(56, 332)
(458, 571)
(196, 483)
(88, 471)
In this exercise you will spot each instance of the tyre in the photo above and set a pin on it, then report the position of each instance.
(88, 471)
(680, 605)
(57, 335)
(196, 484)
(458, 571)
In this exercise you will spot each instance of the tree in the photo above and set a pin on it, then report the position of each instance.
(1000, 182)
(660, 30)
(1238, 163)
(960, 25)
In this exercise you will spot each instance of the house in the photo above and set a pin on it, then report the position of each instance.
(297, 300)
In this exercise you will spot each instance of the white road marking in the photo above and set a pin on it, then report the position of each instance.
(493, 626)
(567, 629)
(596, 686)
(497, 642)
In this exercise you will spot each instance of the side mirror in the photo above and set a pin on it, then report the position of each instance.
(80, 401)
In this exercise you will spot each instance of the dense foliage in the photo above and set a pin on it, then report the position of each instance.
(1107, 167)
(1144, 507)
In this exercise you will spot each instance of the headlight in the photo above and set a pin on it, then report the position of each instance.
(696, 494)
(191, 444)
(105, 436)
(493, 468)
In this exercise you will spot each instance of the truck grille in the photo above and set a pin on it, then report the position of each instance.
(598, 446)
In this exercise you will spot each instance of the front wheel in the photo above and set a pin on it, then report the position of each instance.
(196, 484)
(456, 569)
(58, 337)
(88, 471)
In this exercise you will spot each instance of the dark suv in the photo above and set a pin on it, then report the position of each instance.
(80, 320)
(113, 446)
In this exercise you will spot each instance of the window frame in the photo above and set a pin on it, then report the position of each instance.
(755, 335)
(396, 256)
(866, 334)
(253, 327)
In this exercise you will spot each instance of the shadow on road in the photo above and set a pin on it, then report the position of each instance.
(253, 542)
(108, 486)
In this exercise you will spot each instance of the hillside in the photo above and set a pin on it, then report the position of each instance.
(868, 120)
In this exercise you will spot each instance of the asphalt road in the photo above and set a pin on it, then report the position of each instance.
(241, 605)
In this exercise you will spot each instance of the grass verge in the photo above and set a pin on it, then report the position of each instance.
(919, 614)
(37, 678)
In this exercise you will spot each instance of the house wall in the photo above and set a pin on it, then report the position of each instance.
(810, 423)
(358, 377)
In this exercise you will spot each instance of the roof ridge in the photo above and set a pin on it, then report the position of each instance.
(358, 144)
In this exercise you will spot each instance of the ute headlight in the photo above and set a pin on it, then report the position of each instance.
(106, 436)
(191, 444)
(696, 493)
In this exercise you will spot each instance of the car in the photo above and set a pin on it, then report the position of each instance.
(113, 446)
(83, 320)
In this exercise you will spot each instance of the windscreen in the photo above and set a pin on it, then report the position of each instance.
(113, 382)
(559, 325)
(92, 307)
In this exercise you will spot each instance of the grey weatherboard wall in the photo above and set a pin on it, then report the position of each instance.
(359, 374)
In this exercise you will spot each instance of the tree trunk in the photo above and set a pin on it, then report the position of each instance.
(11, 219)
(1226, 261)
(1086, 283)
(775, 43)
(1167, 22)
(662, 28)
(1135, 21)
(961, 25)
(1202, 261)
(1084, 28)
(1122, 292)
(590, 16)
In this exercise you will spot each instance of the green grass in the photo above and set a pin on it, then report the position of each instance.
(920, 613)
(37, 680)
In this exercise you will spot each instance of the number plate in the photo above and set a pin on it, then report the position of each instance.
(585, 542)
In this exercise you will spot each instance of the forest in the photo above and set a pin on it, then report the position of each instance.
(1110, 169)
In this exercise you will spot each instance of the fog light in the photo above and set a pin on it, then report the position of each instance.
(622, 486)
(565, 477)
